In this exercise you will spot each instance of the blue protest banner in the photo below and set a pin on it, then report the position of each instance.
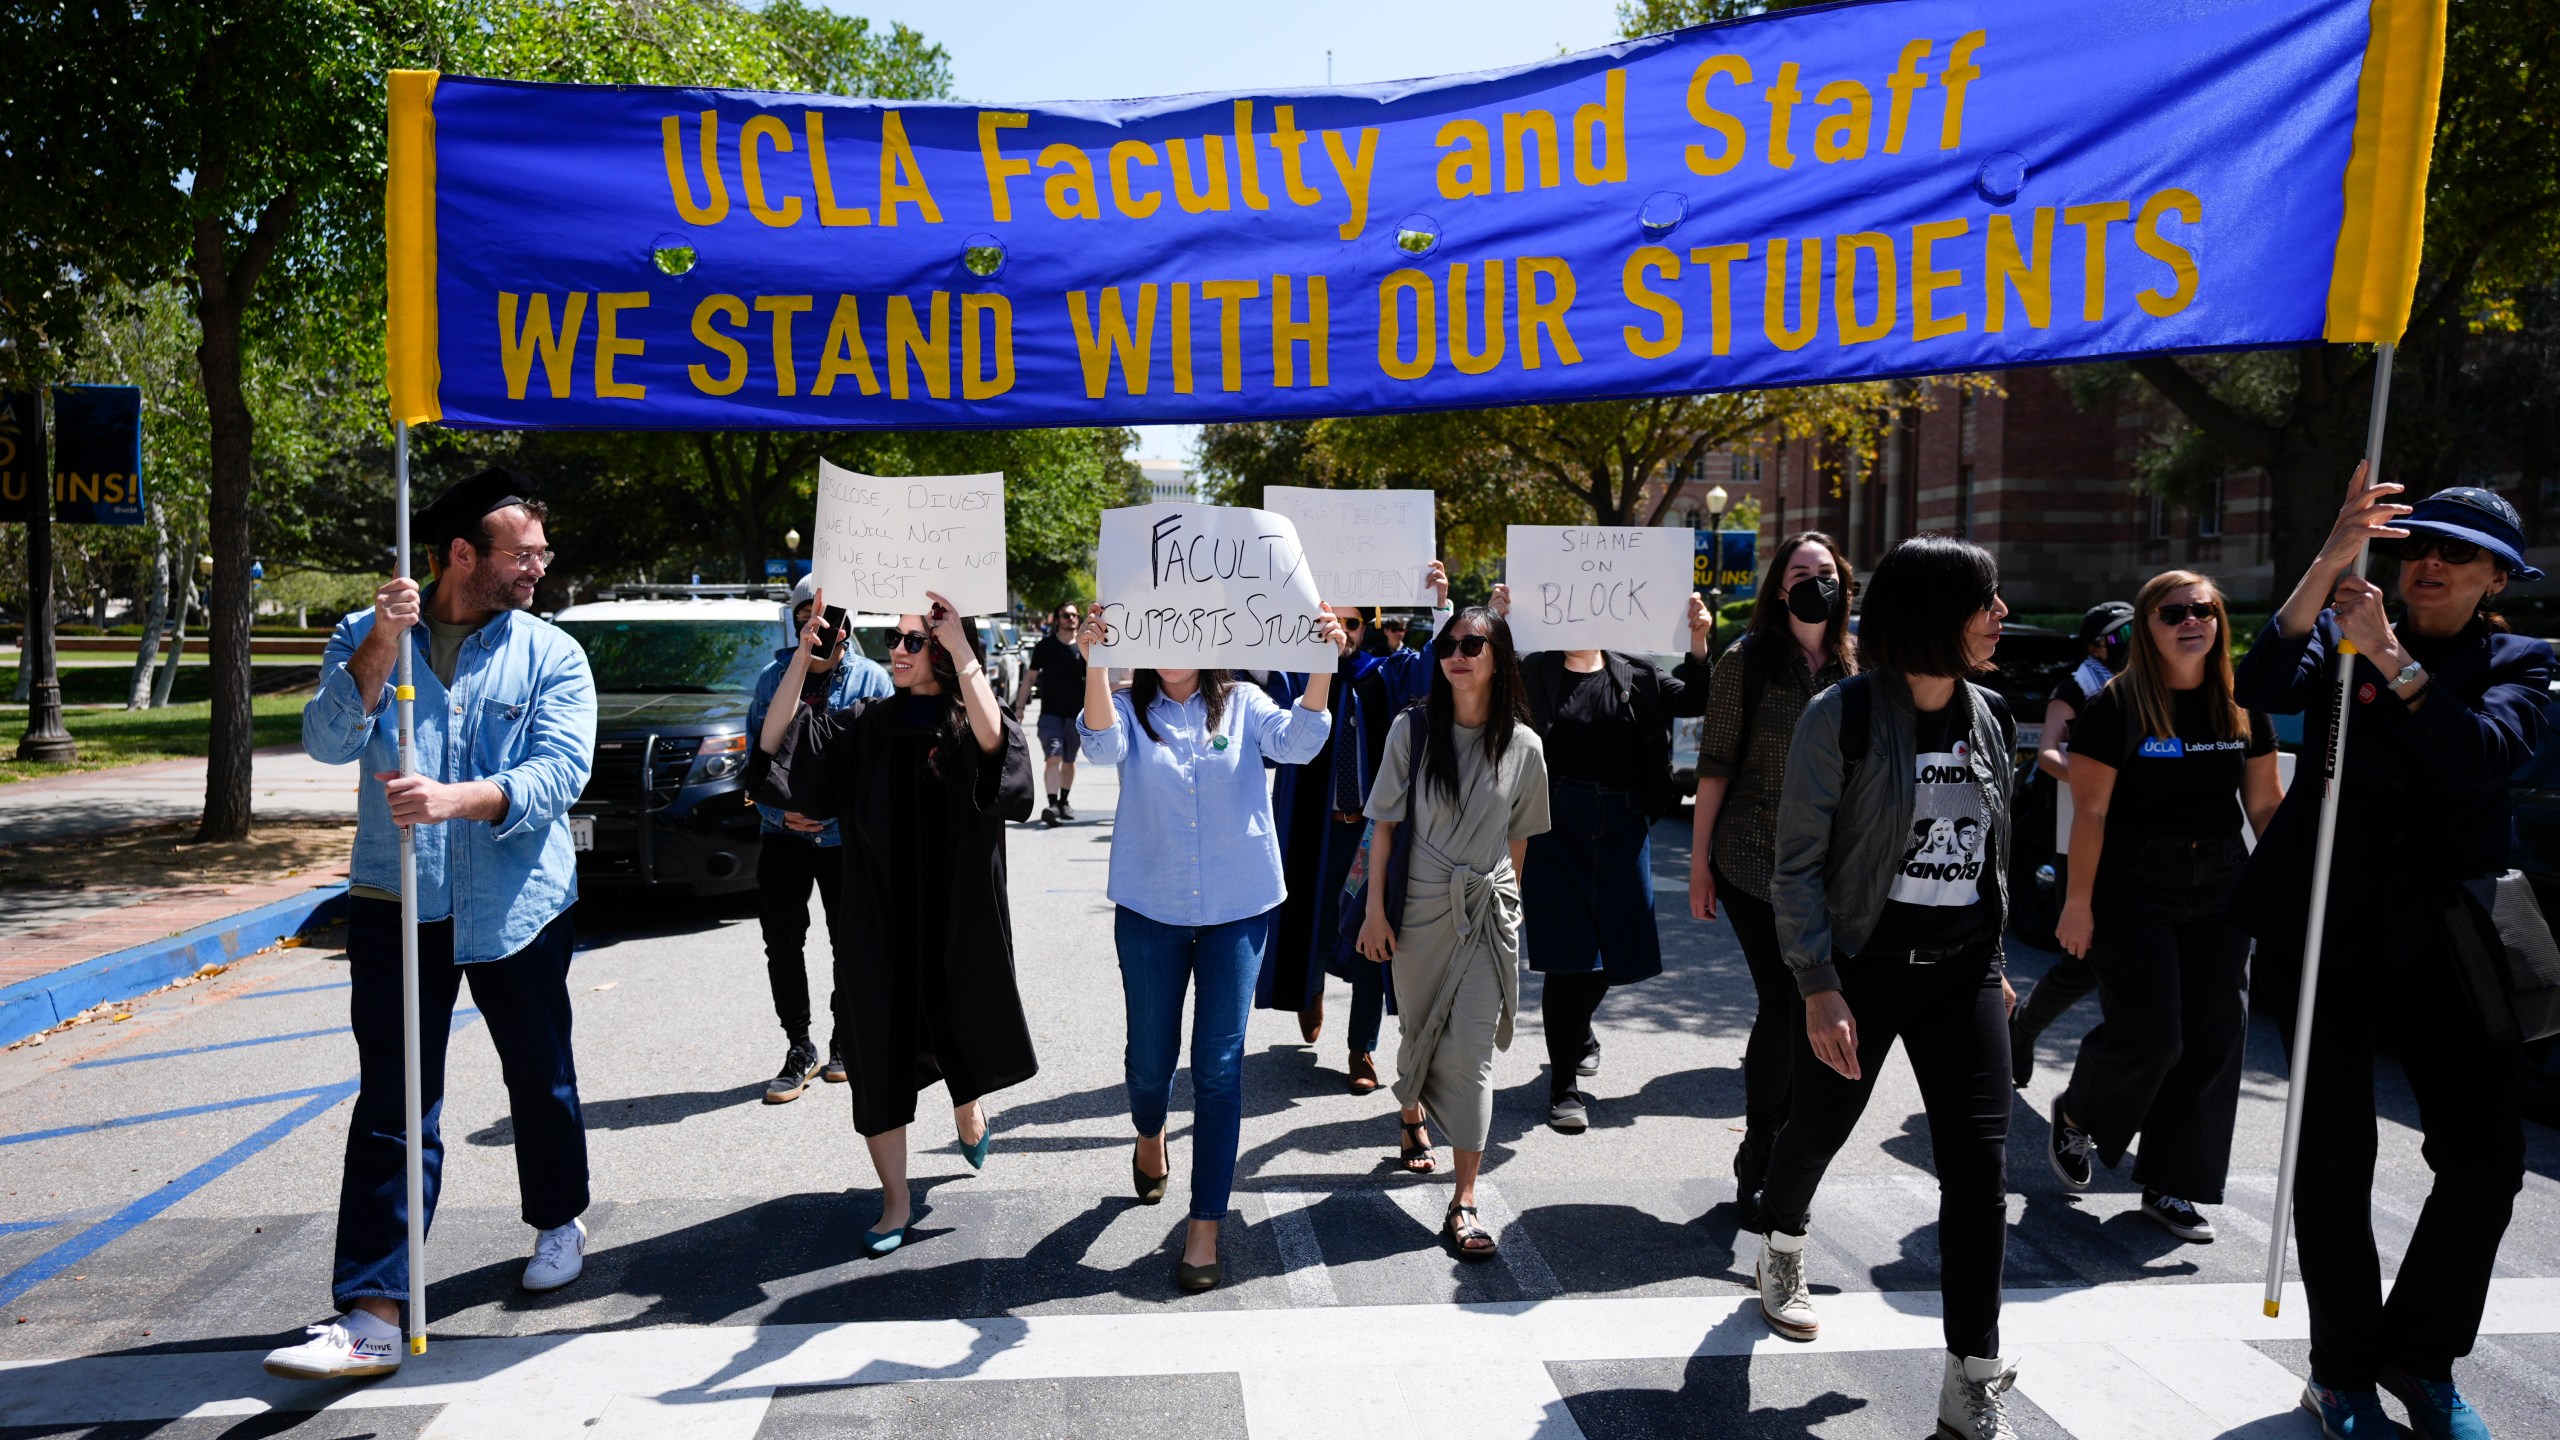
(97, 450)
(1728, 560)
(1848, 191)
(22, 467)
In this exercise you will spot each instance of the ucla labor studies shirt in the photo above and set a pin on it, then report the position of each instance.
(1936, 900)
(2183, 786)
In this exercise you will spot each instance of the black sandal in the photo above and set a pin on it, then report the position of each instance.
(1459, 1231)
(1417, 1146)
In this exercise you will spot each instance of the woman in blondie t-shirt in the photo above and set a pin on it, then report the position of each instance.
(2154, 859)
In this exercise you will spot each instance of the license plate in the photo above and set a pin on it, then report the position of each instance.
(582, 832)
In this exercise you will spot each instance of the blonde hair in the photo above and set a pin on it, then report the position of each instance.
(2152, 704)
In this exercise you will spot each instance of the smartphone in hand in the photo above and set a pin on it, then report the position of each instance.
(832, 635)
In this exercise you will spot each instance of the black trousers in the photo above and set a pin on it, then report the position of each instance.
(785, 870)
(1565, 1007)
(524, 1002)
(2061, 988)
(2173, 977)
(1777, 1028)
(1953, 1021)
(2388, 981)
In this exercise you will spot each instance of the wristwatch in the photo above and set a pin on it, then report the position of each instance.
(2409, 672)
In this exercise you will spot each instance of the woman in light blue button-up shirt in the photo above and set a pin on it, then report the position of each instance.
(1195, 875)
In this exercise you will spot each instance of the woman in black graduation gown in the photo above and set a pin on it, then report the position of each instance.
(924, 782)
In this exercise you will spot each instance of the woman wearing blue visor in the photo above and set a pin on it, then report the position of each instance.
(2445, 705)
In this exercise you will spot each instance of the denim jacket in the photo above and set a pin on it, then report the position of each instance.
(855, 677)
(522, 716)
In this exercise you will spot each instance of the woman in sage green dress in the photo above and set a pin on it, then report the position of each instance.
(1474, 791)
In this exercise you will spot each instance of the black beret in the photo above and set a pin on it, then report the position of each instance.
(457, 513)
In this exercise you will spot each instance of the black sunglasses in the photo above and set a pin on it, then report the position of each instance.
(1470, 646)
(911, 641)
(1349, 622)
(2415, 549)
(2181, 614)
(1990, 597)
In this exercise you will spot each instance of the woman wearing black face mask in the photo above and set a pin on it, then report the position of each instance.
(1797, 647)
(1587, 896)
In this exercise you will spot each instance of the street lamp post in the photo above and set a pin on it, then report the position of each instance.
(1717, 499)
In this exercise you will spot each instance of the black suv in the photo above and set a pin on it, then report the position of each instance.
(666, 804)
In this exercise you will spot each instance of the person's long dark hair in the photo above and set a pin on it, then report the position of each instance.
(953, 728)
(1146, 685)
(1769, 611)
(1508, 713)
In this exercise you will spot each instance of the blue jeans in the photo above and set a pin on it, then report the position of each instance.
(1368, 1004)
(524, 1000)
(1157, 964)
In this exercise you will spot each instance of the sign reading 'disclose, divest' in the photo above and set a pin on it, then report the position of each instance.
(1847, 192)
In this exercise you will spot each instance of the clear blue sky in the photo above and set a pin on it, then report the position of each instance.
(1017, 50)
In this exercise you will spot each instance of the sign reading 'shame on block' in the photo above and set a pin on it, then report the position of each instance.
(879, 544)
(1600, 587)
(1207, 586)
(1367, 547)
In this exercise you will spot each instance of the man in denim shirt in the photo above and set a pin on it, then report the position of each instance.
(506, 723)
(798, 852)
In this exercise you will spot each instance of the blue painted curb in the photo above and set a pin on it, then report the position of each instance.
(40, 1004)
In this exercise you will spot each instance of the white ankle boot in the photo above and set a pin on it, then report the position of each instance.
(1973, 1399)
(1786, 1302)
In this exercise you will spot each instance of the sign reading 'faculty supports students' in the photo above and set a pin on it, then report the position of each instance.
(880, 543)
(1833, 193)
(1367, 547)
(1600, 587)
(1207, 586)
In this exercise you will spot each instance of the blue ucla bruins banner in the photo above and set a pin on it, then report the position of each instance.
(1858, 191)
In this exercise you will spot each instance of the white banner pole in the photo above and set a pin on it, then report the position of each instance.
(405, 697)
(2333, 765)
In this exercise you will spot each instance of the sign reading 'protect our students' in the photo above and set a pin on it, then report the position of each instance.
(1843, 192)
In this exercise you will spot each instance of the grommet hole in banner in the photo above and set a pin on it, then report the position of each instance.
(982, 255)
(1417, 234)
(2002, 176)
(1662, 213)
(673, 255)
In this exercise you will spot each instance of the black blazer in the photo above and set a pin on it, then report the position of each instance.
(1643, 691)
(2425, 796)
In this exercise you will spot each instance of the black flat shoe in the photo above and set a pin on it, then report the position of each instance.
(1151, 1187)
(1192, 1279)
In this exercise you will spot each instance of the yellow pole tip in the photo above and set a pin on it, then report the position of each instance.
(403, 692)
(2348, 647)
(2271, 1314)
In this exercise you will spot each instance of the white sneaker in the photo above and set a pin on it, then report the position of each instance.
(559, 1253)
(1972, 1399)
(354, 1344)
(1785, 1300)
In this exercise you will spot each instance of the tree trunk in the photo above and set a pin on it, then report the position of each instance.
(177, 638)
(155, 612)
(226, 777)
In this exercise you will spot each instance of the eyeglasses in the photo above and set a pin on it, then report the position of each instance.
(2451, 552)
(911, 641)
(1990, 597)
(542, 558)
(1470, 646)
(2181, 614)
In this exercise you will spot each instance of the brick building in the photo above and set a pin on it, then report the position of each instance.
(2046, 485)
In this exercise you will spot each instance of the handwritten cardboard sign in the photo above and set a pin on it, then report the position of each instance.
(1367, 547)
(1207, 586)
(879, 544)
(1600, 587)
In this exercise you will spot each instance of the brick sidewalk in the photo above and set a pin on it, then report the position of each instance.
(38, 953)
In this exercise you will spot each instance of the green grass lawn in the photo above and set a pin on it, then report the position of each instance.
(129, 737)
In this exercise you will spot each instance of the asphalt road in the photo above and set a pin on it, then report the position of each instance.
(167, 1189)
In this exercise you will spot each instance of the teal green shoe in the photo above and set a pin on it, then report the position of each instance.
(2436, 1408)
(876, 1243)
(976, 1154)
(2348, 1414)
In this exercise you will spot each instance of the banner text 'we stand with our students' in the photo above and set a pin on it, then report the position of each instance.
(1851, 192)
